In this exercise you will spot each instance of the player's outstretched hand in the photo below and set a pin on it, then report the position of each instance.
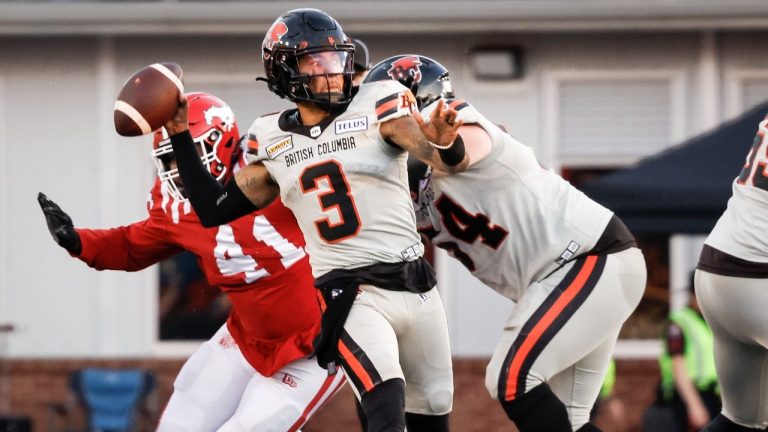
(60, 225)
(442, 128)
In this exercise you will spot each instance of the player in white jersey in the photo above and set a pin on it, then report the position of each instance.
(732, 289)
(571, 266)
(339, 162)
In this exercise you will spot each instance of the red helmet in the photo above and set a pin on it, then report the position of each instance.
(214, 130)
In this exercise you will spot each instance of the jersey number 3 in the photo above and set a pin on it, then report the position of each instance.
(338, 198)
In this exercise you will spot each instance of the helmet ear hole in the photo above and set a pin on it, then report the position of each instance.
(212, 138)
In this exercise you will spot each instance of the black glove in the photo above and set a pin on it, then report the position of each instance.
(60, 225)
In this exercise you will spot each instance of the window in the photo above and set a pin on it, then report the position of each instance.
(745, 89)
(612, 118)
(504, 63)
(754, 91)
(190, 308)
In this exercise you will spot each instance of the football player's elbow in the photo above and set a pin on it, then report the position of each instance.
(135, 265)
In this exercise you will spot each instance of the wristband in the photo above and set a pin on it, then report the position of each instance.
(453, 154)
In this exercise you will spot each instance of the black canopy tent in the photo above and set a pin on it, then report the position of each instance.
(684, 189)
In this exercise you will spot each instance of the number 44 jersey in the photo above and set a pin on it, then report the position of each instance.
(347, 186)
(507, 219)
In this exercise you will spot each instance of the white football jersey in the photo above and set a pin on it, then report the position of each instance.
(509, 220)
(741, 229)
(347, 187)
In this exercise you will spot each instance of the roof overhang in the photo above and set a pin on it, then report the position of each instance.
(361, 17)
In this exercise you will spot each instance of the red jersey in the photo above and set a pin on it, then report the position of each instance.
(258, 260)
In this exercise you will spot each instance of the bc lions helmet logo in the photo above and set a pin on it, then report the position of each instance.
(276, 32)
(406, 69)
(224, 113)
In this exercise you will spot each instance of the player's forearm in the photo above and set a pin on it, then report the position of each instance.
(405, 132)
(111, 249)
(214, 204)
(450, 159)
(257, 185)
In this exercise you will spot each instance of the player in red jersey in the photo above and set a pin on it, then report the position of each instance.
(253, 374)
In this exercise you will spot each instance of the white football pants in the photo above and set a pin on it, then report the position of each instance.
(217, 390)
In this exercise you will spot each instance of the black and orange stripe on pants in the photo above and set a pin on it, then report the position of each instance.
(357, 365)
(546, 322)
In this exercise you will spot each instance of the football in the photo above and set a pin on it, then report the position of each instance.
(148, 99)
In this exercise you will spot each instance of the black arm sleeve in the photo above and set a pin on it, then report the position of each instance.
(214, 204)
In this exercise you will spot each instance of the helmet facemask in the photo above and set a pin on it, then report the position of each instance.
(206, 146)
(330, 64)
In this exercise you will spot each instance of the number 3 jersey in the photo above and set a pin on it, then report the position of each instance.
(258, 260)
(347, 187)
(507, 219)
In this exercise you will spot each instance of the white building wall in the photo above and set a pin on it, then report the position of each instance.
(56, 136)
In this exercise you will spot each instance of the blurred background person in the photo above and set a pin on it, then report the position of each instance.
(687, 365)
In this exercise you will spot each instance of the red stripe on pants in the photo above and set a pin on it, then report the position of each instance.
(533, 337)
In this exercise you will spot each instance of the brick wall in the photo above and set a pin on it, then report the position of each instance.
(35, 384)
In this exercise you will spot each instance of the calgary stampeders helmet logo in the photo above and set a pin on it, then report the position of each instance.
(224, 113)
(406, 69)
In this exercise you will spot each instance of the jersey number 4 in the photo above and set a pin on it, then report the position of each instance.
(338, 199)
(467, 227)
(232, 261)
